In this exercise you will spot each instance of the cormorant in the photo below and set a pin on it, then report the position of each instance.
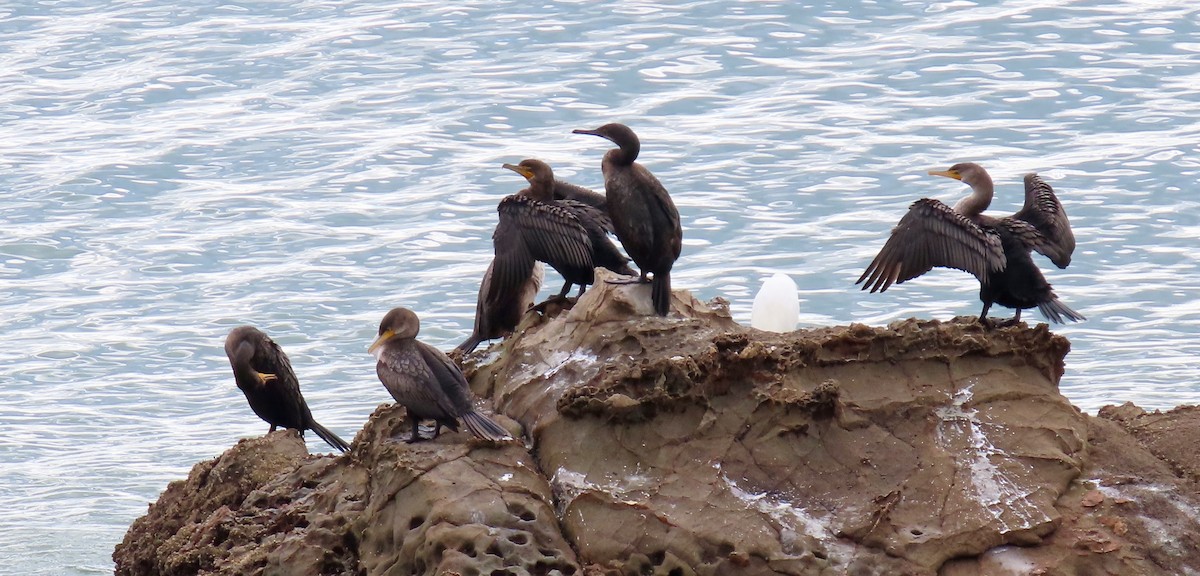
(537, 240)
(497, 312)
(644, 217)
(263, 373)
(425, 381)
(995, 250)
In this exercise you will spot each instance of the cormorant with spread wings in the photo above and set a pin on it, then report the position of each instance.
(994, 250)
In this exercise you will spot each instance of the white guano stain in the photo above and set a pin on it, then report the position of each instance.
(961, 433)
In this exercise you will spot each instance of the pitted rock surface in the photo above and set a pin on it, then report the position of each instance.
(692, 445)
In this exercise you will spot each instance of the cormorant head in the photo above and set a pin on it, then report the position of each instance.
(622, 136)
(538, 173)
(969, 173)
(241, 345)
(398, 323)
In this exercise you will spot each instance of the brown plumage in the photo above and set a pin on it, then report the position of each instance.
(423, 380)
(264, 374)
(994, 250)
(498, 310)
(644, 218)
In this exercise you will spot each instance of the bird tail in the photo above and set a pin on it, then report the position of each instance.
(470, 344)
(329, 437)
(1055, 311)
(485, 428)
(660, 293)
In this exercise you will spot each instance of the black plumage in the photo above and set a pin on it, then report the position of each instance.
(264, 374)
(644, 218)
(994, 250)
(569, 235)
(424, 380)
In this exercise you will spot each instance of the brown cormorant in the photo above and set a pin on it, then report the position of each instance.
(497, 311)
(546, 236)
(426, 382)
(263, 373)
(644, 217)
(995, 250)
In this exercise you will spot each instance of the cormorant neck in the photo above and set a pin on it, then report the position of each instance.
(625, 155)
(541, 191)
(978, 201)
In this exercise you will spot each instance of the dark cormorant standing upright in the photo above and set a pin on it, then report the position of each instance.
(643, 215)
(422, 379)
(995, 250)
(263, 373)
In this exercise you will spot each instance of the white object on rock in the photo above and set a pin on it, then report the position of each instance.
(777, 305)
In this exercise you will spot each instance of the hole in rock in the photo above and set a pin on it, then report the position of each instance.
(657, 558)
(416, 522)
(520, 539)
(916, 532)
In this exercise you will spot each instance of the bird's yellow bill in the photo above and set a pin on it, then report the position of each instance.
(387, 335)
(520, 170)
(264, 378)
(946, 173)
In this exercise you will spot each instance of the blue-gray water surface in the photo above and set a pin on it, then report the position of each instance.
(174, 169)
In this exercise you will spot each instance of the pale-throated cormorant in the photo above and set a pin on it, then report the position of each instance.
(263, 373)
(426, 382)
(644, 217)
(995, 250)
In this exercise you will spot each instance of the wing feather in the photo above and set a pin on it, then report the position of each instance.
(549, 233)
(1045, 213)
(931, 234)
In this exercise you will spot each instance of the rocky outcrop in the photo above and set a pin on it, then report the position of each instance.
(692, 445)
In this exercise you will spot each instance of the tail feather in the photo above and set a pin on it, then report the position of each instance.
(329, 437)
(470, 344)
(483, 427)
(660, 293)
(1055, 311)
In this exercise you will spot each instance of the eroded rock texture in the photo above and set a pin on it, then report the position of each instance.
(691, 445)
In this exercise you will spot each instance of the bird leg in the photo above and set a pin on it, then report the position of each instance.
(641, 279)
(264, 378)
(416, 433)
(983, 319)
(1012, 322)
(565, 289)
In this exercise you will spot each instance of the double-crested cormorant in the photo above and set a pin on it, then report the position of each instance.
(263, 373)
(423, 380)
(570, 236)
(497, 311)
(995, 250)
(643, 215)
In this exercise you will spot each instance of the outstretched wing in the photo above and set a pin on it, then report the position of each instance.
(532, 230)
(932, 234)
(1045, 213)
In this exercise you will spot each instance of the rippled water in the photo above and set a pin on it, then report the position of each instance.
(173, 169)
